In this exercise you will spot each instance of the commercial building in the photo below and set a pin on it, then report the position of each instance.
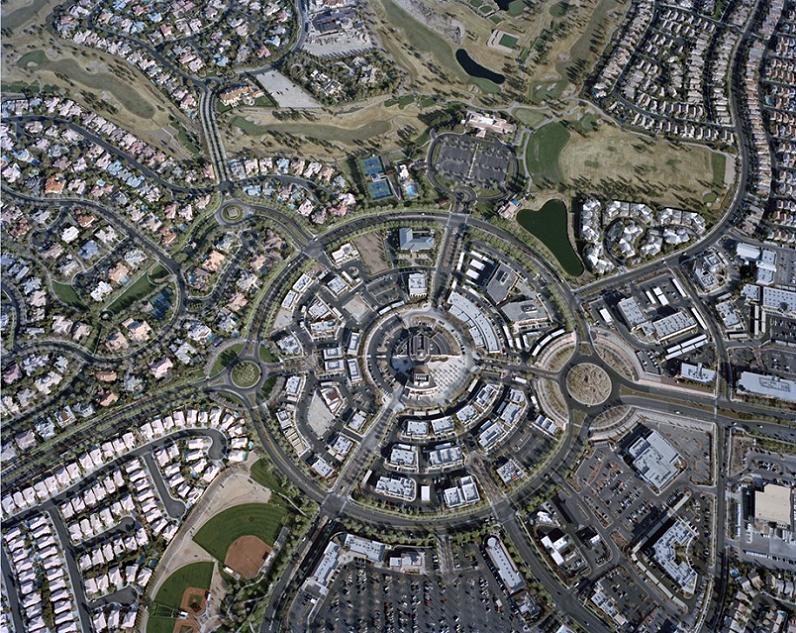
(417, 286)
(484, 123)
(655, 460)
(408, 241)
(697, 373)
(773, 504)
(398, 487)
(507, 571)
(372, 550)
(631, 312)
(779, 301)
(665, 553)
(767, 386)
(463, 494)
(674, 325)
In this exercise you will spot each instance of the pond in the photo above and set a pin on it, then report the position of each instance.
(549, 225)
(474, 69)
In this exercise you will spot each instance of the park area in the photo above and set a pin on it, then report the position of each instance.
(242, 536)
(184, 591)
(589, 153)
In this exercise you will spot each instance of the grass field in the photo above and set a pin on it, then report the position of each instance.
(718, 163)
(543, 150)
(263, 520)
(328, 135)
(140, 288)
(266, 355)
(267, 388)
(549, 225)
(587, 123)
(263, 473)
(169, 596)
(245, 374)
(509, 41)
(124, 92)
(423, 39)
(516, 7)
(529, 117)
(16, 17)
(486, 85)
(542, 91)
(35, 56)
(67, 294)
(616, 162)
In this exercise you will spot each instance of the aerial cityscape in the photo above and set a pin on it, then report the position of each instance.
(398, 316)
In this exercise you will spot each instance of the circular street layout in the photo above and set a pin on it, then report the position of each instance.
(409, 357)
(589, 384)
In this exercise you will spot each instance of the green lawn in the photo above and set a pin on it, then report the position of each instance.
(226, 358)
(509, 41)
(543, 149)
(592, 36)
(158, 273)
(266, 355)
(541, 91)
(263, 473)
(529, 117)
(718, 163)
(137, 290)
(549, 226)
(245, 374)
(587, 123)
(516, 7)
(262, 520)
(247, 127)
(486, 85)
(67, 294)
(267, 388)
(401, 102)
(167, 602)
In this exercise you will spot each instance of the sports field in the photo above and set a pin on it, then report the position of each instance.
(262, 520)
(169, 598)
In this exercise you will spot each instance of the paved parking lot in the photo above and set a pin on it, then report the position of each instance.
(364, 598)
(473, 161)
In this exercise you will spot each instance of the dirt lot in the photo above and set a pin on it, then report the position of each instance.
(246, 555)
(371, 248)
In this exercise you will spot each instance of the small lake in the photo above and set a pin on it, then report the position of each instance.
(549, 226)
(474, 69)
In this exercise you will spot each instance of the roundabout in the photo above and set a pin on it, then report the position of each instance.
(245, 374)
(589, 384)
